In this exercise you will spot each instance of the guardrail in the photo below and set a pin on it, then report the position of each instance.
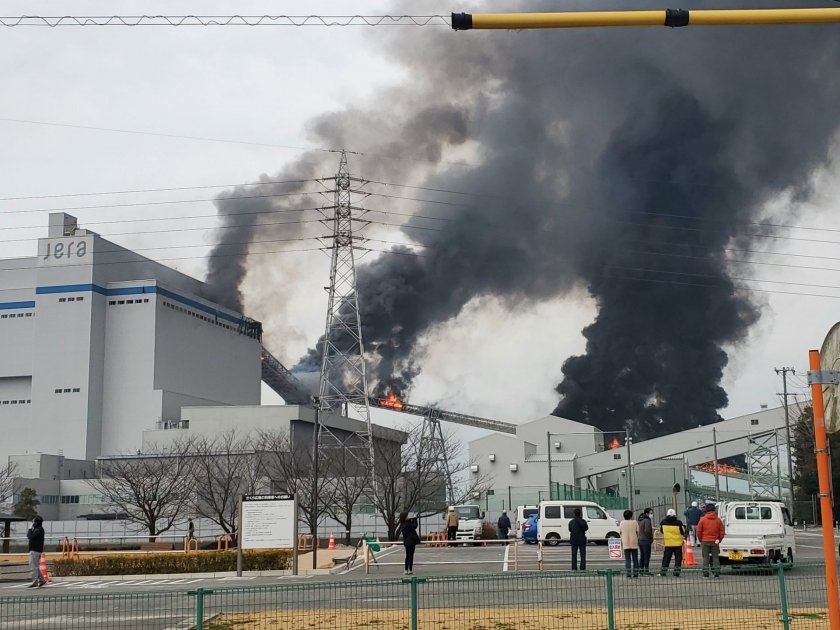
(770, 598)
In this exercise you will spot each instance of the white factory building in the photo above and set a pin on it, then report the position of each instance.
(98, 344)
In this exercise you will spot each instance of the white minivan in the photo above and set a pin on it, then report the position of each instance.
(553, 524)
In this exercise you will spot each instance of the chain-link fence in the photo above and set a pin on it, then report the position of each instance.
(767, 597)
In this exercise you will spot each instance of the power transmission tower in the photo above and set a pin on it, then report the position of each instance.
(343, 382)
(788, 444)
(433, 451)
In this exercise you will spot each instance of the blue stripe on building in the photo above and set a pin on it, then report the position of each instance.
(5, 306)
(76, 288)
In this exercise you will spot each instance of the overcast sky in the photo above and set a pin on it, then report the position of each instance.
(260, 86)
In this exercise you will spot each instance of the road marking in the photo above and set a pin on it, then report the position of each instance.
(505, 563)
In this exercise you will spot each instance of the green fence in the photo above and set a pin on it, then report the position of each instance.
(597, 600)
(566, 492)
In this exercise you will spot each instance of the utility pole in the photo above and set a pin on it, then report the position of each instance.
(548, 459)
(789, 446)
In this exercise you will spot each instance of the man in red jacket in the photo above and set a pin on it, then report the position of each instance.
(710, 532)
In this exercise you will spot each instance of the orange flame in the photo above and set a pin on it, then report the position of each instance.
(721, 468)
(392, 401)
(614, 444)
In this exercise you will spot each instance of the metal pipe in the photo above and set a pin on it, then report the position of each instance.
(548, 459)
(662, 17)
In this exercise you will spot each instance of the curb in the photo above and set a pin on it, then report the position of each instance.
(207, 576)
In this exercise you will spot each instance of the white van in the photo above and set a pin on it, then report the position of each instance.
(553, 524)
(523, 513)
(756, 532)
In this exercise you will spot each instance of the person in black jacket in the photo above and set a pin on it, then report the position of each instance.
(408, 530)
(504, 526)
(645, 540)
(577, 538)
(36, 548)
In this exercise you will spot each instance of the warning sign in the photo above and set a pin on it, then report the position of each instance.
(615, 548)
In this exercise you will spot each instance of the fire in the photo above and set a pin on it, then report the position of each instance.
(724, 469)
(614, 444)
(392, 401)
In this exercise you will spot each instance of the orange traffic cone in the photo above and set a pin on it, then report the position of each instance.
(331, 545)
(689, 555)
(43, 569)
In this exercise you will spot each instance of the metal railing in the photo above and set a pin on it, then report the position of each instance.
(768, 597)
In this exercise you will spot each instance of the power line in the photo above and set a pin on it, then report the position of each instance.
(163, 135)
(154, 190)
(224, 20)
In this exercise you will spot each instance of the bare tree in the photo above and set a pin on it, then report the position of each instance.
(152, 489)
(290, 470)
(416, 476)
(7, 481)
(344, 486)
(222, 468)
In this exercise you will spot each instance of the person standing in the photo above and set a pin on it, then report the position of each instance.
(673, 536)
(408, 529)
(504, 526)
(577, 538)
(191, 530)
(629, 530)
(692, 516)
(645, 541)
(35, 535)
(710, 531)
(451, 524)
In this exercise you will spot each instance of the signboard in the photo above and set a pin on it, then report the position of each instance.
(615, 548)
(268, 521)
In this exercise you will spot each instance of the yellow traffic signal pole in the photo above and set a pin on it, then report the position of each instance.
(664, 17)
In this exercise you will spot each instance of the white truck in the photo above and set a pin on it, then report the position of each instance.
(470, 521)
(757, 532)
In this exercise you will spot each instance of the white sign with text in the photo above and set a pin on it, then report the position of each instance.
(268, 521)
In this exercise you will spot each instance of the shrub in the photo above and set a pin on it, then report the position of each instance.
(147, 564)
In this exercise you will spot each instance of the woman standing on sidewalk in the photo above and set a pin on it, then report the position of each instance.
(408, 530)
(36, 548)
(629, 530)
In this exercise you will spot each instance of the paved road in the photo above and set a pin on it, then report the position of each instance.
(165, 604)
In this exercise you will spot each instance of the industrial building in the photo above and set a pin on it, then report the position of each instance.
(578, 460)
(105, 352)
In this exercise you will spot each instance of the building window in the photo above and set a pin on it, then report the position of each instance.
(67, 390)
(79, 299)
(29, 314)
(754, 421)
(616, 455)
(111, 302)
(58, 391)
(146, 300)
(120, 301)
(76, 389)
(71, 299)
(62, 299)
(3, 316)
(20, 314)
(129, 301)
(14, 402)
(5, 402)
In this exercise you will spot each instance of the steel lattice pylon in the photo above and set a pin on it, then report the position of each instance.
(343, 383)
(432, 445)
(763, 466)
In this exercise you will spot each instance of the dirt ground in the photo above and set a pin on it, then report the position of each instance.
(517, 619)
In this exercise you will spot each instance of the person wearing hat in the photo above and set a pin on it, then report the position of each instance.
(710, 531)
(673, 536)
(693, 516)
(451, 524)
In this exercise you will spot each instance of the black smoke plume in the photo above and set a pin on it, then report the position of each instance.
(622, 160)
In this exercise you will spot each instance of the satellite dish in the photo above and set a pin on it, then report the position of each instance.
(830, 360)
